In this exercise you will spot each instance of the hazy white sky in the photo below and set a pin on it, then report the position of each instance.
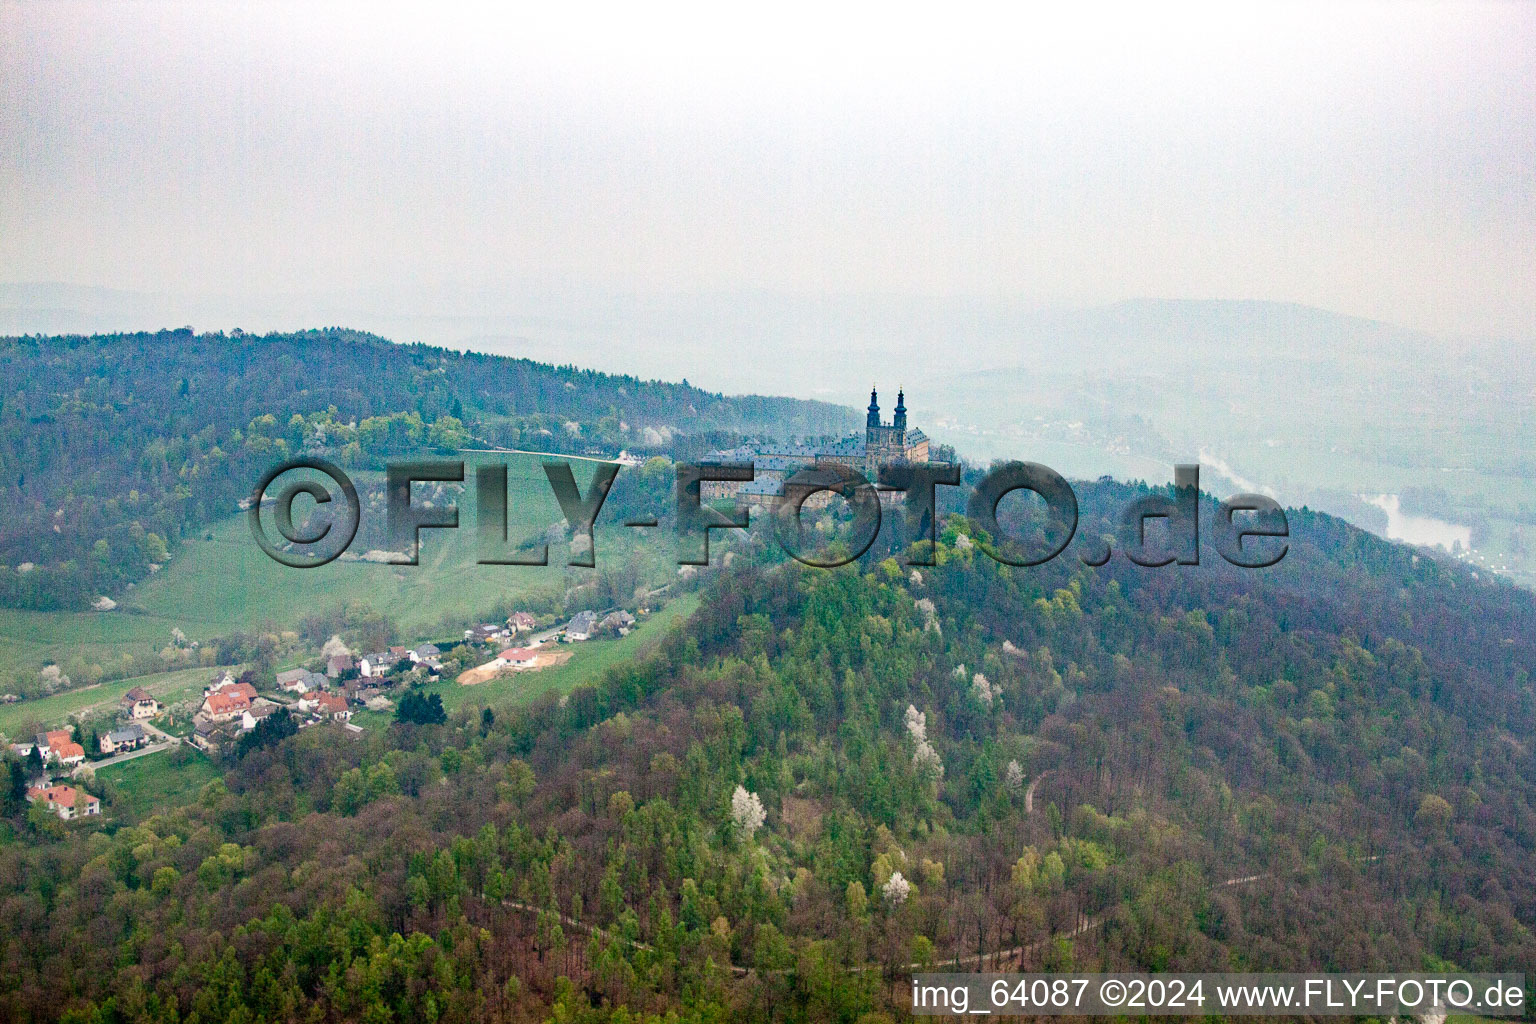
(1372, 159)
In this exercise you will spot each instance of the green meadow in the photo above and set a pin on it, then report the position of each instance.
(589, 660)
(156, 781)
(220, 582)
(168, 687)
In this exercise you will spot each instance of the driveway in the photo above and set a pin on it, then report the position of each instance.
(153, 748)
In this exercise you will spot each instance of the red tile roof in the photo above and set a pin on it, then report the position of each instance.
(330, 703)
(227, 700)
(517, 654)
(57, 796)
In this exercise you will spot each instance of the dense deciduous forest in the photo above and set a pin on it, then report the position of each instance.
(113, 446)
(829, 776)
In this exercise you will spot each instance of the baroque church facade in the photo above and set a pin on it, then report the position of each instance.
(882, 443)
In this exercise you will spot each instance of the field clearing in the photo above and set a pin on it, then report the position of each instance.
(589, 660)
(158, 781)
(550, 655)
(168, 687)
(219, 582)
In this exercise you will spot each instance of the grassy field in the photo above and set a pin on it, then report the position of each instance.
(157, 781)
(589, 660)
(222, 583)
(16, 719)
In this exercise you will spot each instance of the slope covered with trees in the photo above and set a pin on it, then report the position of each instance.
(830, 776)
(113, 446)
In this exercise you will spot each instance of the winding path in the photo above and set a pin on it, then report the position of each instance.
(1015, 954)
(1029, 794)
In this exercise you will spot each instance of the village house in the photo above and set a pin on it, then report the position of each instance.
(520, 622)
(49, 742)
(65, 801)
(300, 680)
(208, 734)
(518, 657)
(620, 622)
(228, 702)
(581, 627)
(57, 745)
(338, 665)
(138, 704)
(375, 666)
(69, 754)
(226, 684)
(427, 656)
(129, 737)
(332, 706)
(251, 716)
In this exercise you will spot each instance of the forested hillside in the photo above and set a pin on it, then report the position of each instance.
(113, 446)
(828, 776)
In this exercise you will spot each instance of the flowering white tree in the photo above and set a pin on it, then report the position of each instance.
(747, 812)
(1013, 777)
(983, 690)
(896, 890)
(925, 758)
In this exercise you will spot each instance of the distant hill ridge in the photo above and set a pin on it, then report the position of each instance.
(112, 446)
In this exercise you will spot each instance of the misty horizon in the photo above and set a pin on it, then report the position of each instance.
(1369, 159)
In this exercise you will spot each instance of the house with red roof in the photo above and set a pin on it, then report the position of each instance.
(518, 657)
(65, 801)
(69, 754)
(229, 702)
(332, 706)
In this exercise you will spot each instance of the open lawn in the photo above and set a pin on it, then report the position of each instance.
(16, 719)
(147, 784)
(219, 582)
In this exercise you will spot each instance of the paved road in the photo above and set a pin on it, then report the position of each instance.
(153, 748)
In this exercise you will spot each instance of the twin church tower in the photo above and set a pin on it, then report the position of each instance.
(887, 439)
(881, 444)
